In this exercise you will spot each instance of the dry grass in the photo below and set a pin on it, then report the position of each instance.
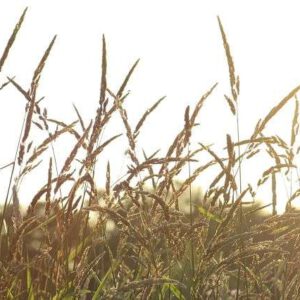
(144, 243)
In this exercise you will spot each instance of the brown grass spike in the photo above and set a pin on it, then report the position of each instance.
(12, 39)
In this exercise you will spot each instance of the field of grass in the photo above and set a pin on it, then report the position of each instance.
(148, 235)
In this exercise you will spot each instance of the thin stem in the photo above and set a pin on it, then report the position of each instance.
(191, 217)
(239, 147)
(11, 178)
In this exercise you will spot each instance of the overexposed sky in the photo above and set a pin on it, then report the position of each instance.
(182, 56)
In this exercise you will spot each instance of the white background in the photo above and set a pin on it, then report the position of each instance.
(182, 56)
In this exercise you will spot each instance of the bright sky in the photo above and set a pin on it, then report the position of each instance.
(182, 56)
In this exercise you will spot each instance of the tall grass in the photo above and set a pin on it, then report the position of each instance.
(147, 241)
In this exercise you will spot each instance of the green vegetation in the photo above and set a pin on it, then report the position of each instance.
(143, 242)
